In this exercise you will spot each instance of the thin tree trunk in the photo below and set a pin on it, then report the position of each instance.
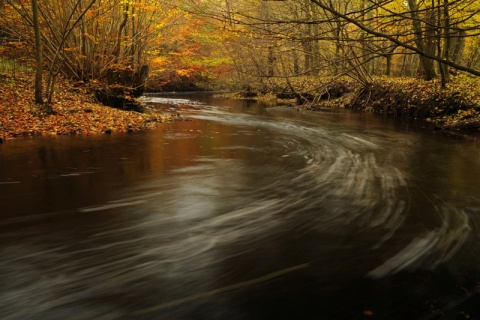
(117, 50)
(426, 63)
(447, 37)
(458, 45)
(388, 69)
(441, 51)
(38, 54)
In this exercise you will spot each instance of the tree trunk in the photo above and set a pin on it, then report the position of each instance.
(443, 69)
(296, 66)
(426, 63)
(270, 62)
(315, 32)
(388, 69)
(447, 37)
(118, 45)
(38, 54)
(458, 45)
(307, 57)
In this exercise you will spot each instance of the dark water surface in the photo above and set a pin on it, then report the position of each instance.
(242, 213)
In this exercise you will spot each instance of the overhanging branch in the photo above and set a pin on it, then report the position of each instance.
(395, 40)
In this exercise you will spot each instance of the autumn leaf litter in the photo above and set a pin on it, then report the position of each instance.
(76, 112)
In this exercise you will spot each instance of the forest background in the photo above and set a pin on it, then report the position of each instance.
(418, 58)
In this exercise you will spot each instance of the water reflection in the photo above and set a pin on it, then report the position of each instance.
(242, 213)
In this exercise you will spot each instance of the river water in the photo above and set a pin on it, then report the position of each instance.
(242, 212)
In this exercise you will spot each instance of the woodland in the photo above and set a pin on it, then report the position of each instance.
(59, 58)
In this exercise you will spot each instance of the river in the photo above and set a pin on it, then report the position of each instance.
(242, 212)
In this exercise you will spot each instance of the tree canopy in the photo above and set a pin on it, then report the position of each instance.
(358, 38)
(113, 43)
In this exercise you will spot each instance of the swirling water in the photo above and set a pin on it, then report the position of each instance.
(242, 212)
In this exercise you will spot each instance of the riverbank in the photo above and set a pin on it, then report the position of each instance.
(75, 111)
(456, 107)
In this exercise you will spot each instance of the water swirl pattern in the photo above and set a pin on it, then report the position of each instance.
(244, 212)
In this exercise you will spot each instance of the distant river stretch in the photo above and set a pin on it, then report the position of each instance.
(242, 212)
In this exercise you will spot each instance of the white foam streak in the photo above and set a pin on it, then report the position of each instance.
(112, 205)
(436, 246)
(407, 256)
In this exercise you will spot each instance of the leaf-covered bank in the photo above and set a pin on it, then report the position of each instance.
(456, 107)
(76, 112)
